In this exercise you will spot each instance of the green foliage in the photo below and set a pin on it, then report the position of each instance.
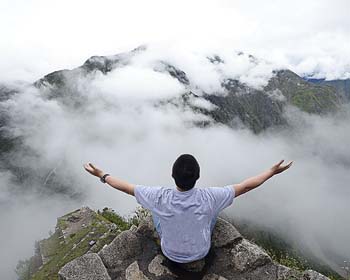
(61, 250)
(61, 223)
(314, 100)
(23, 269)
(288, 259)
(283, 251)
(124, 223)
(140, 214)
(295, 259)
(26, 268)
(111, 216)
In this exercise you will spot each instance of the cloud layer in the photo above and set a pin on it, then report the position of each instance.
(120, 129)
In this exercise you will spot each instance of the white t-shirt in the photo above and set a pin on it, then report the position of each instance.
(185, 217)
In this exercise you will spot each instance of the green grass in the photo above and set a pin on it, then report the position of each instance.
(282, 251)
(112, 217)
(65, 252)
(62, 251)
(294, 259)
(315, 100)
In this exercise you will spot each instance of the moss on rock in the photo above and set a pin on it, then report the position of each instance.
(76, 234)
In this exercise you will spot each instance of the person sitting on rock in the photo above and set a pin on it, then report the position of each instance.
(184, 217)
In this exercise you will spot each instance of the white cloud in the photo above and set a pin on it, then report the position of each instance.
(136, 82)
(125, 134)
(42, 36)
(139, 142)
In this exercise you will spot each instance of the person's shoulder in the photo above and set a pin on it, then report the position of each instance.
(212, 191)
(165, 192)
(166, 188)
(208, 189)
(203, 191)
(163, 189)
(150, 186)
(149, 189)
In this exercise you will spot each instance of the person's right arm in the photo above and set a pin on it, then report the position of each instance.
(253, 182)
(111, 180)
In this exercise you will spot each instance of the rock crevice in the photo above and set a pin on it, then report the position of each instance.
(135, 255)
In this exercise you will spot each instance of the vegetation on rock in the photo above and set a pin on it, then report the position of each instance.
(84, 231)
(76, 234)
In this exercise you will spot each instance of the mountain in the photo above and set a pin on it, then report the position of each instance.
(342, 86)
(89, 245)
(236, 102)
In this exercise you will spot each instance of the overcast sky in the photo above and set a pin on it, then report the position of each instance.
(40, 36)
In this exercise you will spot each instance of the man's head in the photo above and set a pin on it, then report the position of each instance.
(185, 171)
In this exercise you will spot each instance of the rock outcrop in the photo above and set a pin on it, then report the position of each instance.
(80, 233)
(87, 267)
(135, 254)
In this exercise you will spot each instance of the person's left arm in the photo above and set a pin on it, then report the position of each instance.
(110, 180)
(255, 181)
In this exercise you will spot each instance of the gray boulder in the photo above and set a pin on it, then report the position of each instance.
(133, 272)
(135, 254)
(286, 273)
(157, 268)
(313, 275)
(224, 233)
(213, 277)
(87, 267)
(125, 246)
(247, 255)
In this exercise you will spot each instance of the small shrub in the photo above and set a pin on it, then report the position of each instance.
(111, 216)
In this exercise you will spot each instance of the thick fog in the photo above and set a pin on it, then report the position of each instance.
(120, 129)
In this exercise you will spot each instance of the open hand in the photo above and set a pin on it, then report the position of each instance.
(89, 167)
(278, 168)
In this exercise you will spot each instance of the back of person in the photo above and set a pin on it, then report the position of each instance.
(185, 218)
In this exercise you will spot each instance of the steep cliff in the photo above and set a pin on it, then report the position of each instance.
(87, 245)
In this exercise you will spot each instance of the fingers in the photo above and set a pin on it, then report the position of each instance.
(89, 167)
(278, 168)
(285, 166)
(93, 167)
(279, 163)
(289, 164)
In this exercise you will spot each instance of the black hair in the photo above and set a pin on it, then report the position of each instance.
(185, 171)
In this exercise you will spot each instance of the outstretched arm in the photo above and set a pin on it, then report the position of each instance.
(253, 182)
(110, 180)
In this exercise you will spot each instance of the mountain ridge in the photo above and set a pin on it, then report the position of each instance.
(258, 109)
(237, 104)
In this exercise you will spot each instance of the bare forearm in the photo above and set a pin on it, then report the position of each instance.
(120, 185)
(253, 182)
(110, 180)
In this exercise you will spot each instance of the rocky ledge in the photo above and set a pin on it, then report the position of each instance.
(135, 254)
